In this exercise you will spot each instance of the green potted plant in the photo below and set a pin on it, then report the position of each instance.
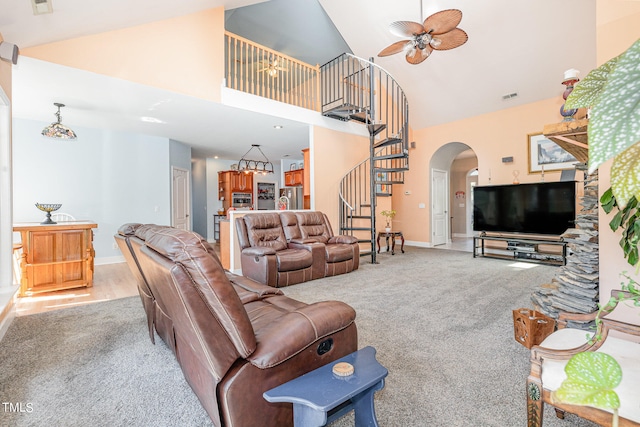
(613, 92)
(388, 214)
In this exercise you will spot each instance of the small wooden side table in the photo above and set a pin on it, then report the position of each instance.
(393, 235)
(320, 396)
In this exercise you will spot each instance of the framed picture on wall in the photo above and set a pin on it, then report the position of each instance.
(545, 155)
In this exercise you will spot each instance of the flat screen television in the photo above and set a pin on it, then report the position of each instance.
(538, 208)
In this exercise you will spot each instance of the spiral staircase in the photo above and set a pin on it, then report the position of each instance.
(355, 89)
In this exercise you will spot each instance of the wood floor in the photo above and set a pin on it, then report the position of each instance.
(110, 281)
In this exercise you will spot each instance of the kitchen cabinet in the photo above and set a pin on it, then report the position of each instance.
(294, 178)
(55, 256)
(230, 182)
(241, 182)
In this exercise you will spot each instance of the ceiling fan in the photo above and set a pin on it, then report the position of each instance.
(439, 31)
(272, 67)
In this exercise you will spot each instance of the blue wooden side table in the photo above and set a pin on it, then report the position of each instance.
(320, 396)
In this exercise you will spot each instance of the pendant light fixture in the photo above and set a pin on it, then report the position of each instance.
(247, 165)
(57, 130)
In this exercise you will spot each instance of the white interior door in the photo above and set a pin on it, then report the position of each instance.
(180, 199)
(439, 211)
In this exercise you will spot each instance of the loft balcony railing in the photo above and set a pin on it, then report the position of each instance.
(258, 70)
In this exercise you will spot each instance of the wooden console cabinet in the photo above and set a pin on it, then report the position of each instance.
(55, 256)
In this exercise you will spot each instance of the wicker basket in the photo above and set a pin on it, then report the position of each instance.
(531, 327)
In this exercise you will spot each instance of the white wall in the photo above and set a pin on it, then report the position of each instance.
(199, 211)
(108, 177)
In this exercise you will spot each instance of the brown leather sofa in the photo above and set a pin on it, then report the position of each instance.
(281, 249)
(233, 338)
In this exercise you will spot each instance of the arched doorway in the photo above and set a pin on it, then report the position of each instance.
(449, 170)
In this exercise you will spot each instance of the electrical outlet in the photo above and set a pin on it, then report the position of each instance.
(115, 245)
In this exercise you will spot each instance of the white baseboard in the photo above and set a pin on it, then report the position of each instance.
(7, 308)
(418, 244)
(109, 260)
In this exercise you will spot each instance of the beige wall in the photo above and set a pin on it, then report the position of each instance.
(458, 205)
(183, 54)
(491, 136)
(5, 75)
(333, 153)
(617, 28)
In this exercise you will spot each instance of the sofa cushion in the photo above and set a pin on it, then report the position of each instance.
(265, 230)
(313, 226)
(290, 225)
(338, 252)
(293, 259)
(192, 252)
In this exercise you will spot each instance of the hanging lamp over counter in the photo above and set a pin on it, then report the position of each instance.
(247, 165)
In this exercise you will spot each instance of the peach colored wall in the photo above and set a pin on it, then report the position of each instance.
(184, 54)
(5, 75)
(458, 206)
(617, 29)
(333, 153)
(491, 136)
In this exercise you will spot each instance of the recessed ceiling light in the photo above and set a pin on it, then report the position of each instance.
(278, 127)
(215, 157)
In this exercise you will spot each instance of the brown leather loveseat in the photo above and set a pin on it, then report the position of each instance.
(281, 249)
(233, 338)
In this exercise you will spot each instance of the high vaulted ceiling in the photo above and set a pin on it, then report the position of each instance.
(520, 47)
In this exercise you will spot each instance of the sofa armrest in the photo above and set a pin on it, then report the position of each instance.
(343, 239)
(301, 241)
(317, 250)
(258, 251)
(293, 332)
(260, 264)
(252, 286)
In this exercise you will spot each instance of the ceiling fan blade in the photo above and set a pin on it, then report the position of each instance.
(405, 28)
(397, 47)
(419, 55)
(443, 21)
(452, 39)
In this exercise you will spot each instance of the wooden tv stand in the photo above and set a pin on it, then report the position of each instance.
(542, 250)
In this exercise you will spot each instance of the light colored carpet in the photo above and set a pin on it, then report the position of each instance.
(440, 321)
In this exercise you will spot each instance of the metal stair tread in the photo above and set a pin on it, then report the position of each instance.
(391, 169)
(387, 141)
(375, 129)
(391, 156)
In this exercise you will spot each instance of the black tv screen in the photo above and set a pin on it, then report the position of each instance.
(539, 208)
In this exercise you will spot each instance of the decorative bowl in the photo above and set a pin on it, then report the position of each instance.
(48, 208)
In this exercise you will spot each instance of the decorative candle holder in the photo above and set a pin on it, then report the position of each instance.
(48, 208)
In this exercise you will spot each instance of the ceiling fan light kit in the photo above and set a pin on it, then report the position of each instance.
(438, 32)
